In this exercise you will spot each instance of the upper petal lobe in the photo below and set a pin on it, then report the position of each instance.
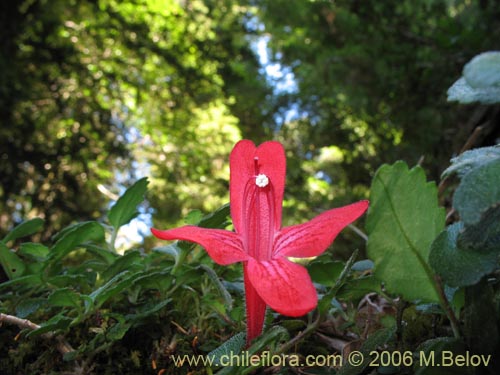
(247, 161)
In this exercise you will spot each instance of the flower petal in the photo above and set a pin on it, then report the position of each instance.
(271, 162)
(312, 238)
(255, 308)
(223, 246)
(285, 286)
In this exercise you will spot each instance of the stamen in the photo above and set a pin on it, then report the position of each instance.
(261, 180)
(256, 165)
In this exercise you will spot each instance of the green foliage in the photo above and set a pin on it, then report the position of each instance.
(124, 210)
(402, 222)
(470, 249)
(456, 265)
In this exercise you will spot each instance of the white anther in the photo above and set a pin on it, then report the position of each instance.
(261, 180)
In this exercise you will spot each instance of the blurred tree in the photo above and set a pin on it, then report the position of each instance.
(372, 78)
(86, 86)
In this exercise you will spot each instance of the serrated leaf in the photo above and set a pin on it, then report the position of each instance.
(13, 266)
(469, 160)
(478, 191)
(456, 266)
(125, 208)
(24, 229)
(77, 235)
(403, 219)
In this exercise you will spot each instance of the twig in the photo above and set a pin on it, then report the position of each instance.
(445, 304)
(358, 231)
(62, 345)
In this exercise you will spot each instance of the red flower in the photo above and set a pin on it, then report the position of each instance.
(256, 193)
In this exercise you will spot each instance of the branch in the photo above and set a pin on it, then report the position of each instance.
(62, 345)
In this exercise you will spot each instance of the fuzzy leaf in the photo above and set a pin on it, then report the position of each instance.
(403, 219)
(480, 81)
(485, 235)
(479, 190)
(125, 208)
(469, 160)
(483, 70)
(459, 267)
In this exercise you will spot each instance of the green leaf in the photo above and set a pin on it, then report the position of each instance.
(58, 322)
(125, 208)
(33, 250)
(122, 263)
(231, 347)
(478, 190)
(118, 331)
(28, 280)
(483, 236)
(325, 302)
(358, 288)
(13, 266)
(217, 219)
(325, 273)
(469, 160)
(24, 229)
(160, 280)
(456, 266)
(114, 286)
(29, 306)
(65, 298)
(149, 310)
(193, 217)
(77, 235)
(403, 219)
